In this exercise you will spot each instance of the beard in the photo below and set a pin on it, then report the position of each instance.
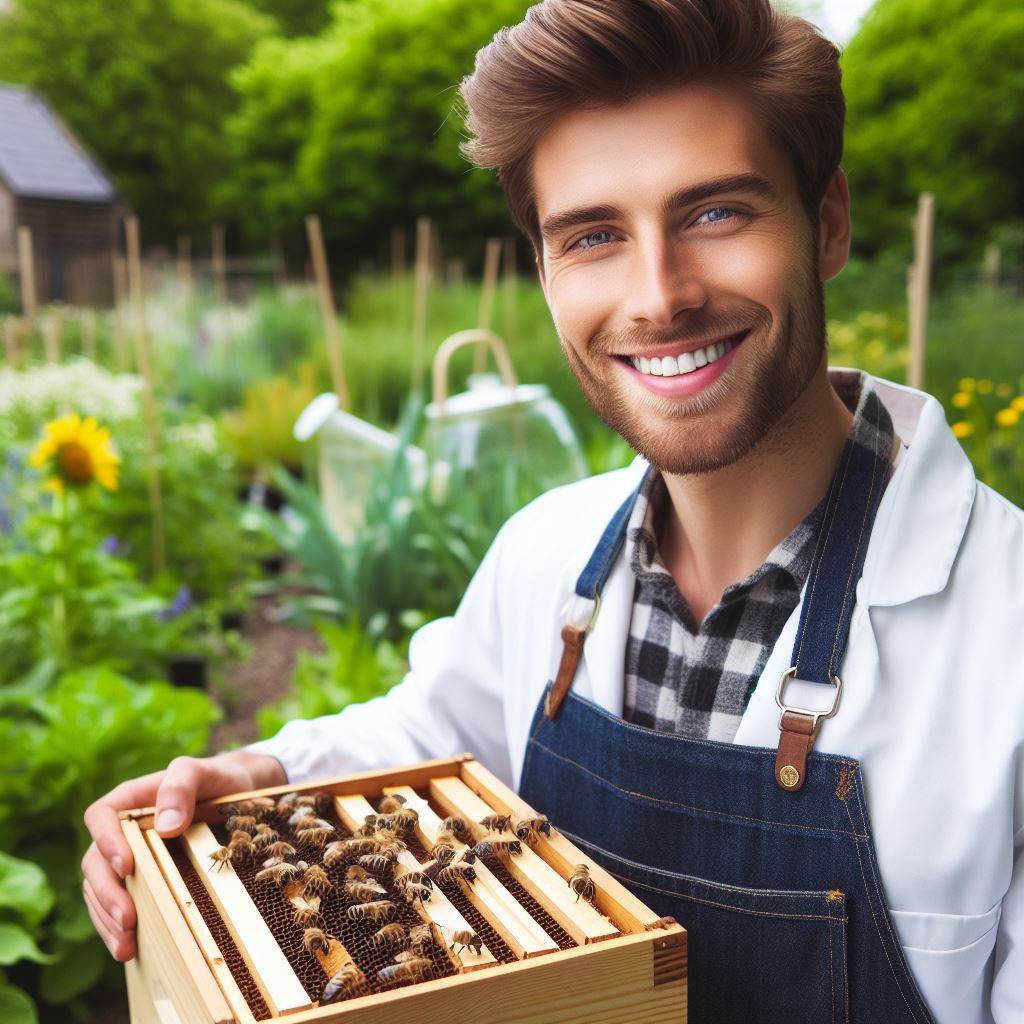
(721, 424)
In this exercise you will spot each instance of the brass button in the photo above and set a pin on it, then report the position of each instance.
(789, 776)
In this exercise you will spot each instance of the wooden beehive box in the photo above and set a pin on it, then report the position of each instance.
(214, 947)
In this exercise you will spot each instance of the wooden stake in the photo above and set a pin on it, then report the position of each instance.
(87, 328)
(419, 312)
(52, 332)
(327, 311)
(120, 277)
(27, 269)
(11, 342)
(990, 266)
(185, 267)
(492, 260)
(219, 264)
(131, 226)
(919, 287)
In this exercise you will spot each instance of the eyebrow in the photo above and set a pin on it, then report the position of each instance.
(556, 223)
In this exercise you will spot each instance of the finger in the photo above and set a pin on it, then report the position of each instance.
(122, 947)
(104, 825)
(176, 796)
(112, 927)
(108, 889)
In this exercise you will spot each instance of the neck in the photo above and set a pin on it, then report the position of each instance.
(720, 526)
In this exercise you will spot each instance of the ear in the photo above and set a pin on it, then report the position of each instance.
(834, 227)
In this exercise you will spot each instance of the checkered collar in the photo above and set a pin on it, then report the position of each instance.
(792, 555)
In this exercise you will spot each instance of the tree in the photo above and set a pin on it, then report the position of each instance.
(358, 125)
(144, 84)
(935, 94)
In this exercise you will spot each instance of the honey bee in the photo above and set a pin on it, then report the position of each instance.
(582, 884)
(221, 858)
(444, 854)
(315, 881)
(420, 877)
(413, 891)
(457, 827)
(307, 917)
(315, 940)
(299, 815)
(377, 910)
(277, 873)
(364, 892)
(391, 935)
(496, 822)
(530, 829)
(342, 850)
(464, 939)
(317, 835)
(286, 802)
(418, 969)
(279, 850)
(264, 836)
(241, 846)
(343, 983)
(388, 843)
(425, 937)
(368, 827)
(457, 873)
(405, 820)
(245, 822)
(391, 803)
(376, 863)
(502, 848)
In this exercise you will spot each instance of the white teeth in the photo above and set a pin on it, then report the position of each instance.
(685, 362)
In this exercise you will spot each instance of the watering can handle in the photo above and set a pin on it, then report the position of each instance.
(475, 335)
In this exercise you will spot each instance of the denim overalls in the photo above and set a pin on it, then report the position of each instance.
(764, 856)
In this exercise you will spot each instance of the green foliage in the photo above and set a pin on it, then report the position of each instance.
(143, 83)
(58, 753)
(297, 17)
(352, 669)
(935, 95)
(358, 125)
(26, 899)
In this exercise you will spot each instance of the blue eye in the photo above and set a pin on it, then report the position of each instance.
(717, 209)
(586, 238)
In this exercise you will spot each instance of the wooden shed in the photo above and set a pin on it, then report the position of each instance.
(49, 182)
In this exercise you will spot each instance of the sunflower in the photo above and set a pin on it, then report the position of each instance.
(77, 451)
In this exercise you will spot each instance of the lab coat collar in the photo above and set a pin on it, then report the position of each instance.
(918, 529)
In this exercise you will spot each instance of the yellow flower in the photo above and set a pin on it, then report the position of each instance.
(966, 384)
(77, 452)
(963, 429)
(1007, 417)
(984, 386)
(961, 399)
(1018, 403)
(1004, 390)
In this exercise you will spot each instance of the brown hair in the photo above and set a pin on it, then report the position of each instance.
(572, 54)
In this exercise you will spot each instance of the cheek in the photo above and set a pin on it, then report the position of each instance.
(759, 268)
(584, 300)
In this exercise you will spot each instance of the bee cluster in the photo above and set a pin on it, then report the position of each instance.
(340, 899)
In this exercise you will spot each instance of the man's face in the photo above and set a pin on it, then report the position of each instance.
(635, 269)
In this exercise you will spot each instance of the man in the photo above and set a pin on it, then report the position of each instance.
(790, 537)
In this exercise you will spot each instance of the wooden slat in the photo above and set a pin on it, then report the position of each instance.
(512, 921)
(369, 784)
(604, 983)
(550, 889)
(213, 954)
(277, 982)
(628, 912)
(168, 954)
(352, 811)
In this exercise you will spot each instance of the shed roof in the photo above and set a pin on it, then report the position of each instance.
(40, 158)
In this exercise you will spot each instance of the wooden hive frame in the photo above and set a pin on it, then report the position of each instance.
(629, 965)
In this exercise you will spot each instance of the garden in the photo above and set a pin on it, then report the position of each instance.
(187, 560)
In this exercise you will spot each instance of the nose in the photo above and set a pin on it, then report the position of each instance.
(664, 282)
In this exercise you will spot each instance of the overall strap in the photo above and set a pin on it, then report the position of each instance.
(851, 504)
(583, 606)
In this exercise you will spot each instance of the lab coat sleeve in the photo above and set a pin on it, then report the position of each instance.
(1007, 1005)
(449, 702)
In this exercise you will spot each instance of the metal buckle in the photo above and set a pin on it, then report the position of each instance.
(817, 716)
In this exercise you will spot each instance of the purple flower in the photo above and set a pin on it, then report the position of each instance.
(111, 545)
(181, 604)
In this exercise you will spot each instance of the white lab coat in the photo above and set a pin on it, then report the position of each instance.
(932, 702)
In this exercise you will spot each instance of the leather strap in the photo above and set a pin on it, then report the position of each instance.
(572, 648)
(796, 738)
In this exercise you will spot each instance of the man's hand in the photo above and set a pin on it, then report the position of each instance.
(174, 793)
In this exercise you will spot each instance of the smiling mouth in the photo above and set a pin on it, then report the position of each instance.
(682, 363)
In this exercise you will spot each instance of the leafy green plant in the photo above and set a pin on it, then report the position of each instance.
(350, 670)
(59, 752)
(26, 899)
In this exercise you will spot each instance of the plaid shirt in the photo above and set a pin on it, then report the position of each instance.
(694, 679)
